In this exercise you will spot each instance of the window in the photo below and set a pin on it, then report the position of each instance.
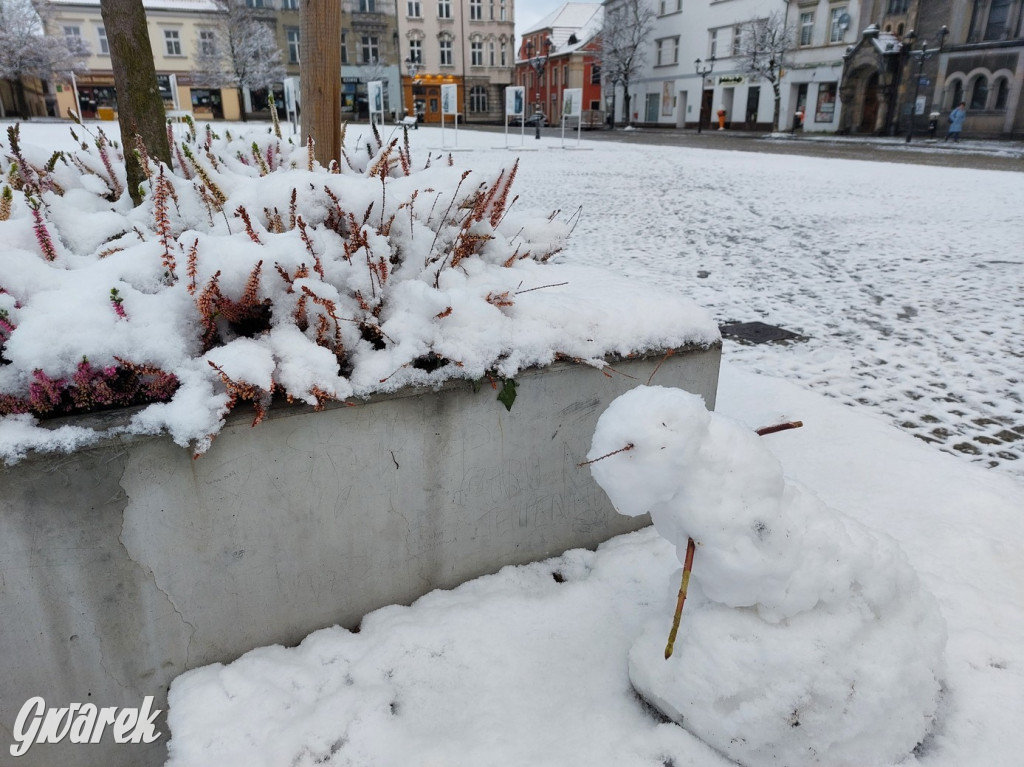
(898, 6)
(292, 35)
(490, 54)
(413, 9)
(446, 53)
(595, 74)
(101, 32)
(667, 51)
(979, 93)
(290, 5)
(207, 42)
(998, 16)
(806, 28)
(713, 47)
(344, 48)
(172, 42)
(504, 54)
(444, 9)
(476, 10)
(257, 3)
(504, 10)
(1002, 92)
(367, 6)
(371, 50)
(476, 54)
(669, 6)
(416, 51)
(737, 41)
(478, 99)
(490, 6)
(835, 32)
(72, 34)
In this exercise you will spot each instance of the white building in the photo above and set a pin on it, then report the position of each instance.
(670, 92)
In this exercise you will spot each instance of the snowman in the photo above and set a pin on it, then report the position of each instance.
(807, 639)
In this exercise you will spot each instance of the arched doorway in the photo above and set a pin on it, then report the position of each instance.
(869, 105)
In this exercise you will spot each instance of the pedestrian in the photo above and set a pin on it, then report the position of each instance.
(956, 122)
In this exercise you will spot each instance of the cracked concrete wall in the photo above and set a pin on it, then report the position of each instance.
(124, 565)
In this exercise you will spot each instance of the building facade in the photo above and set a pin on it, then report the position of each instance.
(468, 43)
(917, 60)
(175, 29)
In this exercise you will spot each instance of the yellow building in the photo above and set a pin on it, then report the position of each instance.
(176, 30)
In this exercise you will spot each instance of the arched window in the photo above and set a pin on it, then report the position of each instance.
(478, 98)
(954, 93)
(1002, 89)
(979, 92)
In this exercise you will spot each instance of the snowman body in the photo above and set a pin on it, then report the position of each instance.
(807, 639)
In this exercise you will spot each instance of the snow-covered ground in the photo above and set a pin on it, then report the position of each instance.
(906, 282)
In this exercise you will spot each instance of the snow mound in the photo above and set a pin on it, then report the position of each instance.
(806, 638)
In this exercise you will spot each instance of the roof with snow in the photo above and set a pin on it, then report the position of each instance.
(188, 6)
(568, 20)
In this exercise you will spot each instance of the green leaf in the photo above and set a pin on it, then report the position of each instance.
(507, 395)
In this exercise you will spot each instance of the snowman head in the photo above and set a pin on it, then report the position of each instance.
(665, 428)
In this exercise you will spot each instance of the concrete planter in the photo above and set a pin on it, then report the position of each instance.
(125, 564)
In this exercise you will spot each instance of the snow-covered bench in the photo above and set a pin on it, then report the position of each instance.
(409, 121)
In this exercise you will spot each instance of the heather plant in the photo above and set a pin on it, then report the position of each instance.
(250, 272)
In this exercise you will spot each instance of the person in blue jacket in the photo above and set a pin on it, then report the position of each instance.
(956, 122)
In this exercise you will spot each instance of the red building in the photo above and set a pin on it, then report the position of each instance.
(560, 52)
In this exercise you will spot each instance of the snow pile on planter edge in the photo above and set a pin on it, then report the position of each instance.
(806, 638)
(368, 318)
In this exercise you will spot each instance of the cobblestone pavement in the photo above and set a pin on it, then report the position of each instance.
(905, 282)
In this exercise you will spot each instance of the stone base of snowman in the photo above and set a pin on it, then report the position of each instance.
(807, 639)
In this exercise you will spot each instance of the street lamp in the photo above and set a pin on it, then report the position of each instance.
(921, 55)
(703, 69)
(413, 66)
(538, 62)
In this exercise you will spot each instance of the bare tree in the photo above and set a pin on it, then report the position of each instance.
(320, 34)
(627, 26)
(763, 48)
(27, 51)
(240, 52)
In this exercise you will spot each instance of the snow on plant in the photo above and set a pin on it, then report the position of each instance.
(251, 272)
(807, 638)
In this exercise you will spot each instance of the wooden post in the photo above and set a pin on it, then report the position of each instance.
(320, 102)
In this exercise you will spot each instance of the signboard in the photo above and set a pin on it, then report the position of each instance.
(730, 80)
(375, 98)
(572, 102)
(449, 99)
(515, 101)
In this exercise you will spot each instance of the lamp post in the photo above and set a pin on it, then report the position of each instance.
(704, 68)
(538, 62)
(920, 55)
(412, 66)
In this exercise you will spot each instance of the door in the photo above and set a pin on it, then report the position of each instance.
(681, 111)
(705, 108)
(651, 108)
(753, 105)
(869, 112)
